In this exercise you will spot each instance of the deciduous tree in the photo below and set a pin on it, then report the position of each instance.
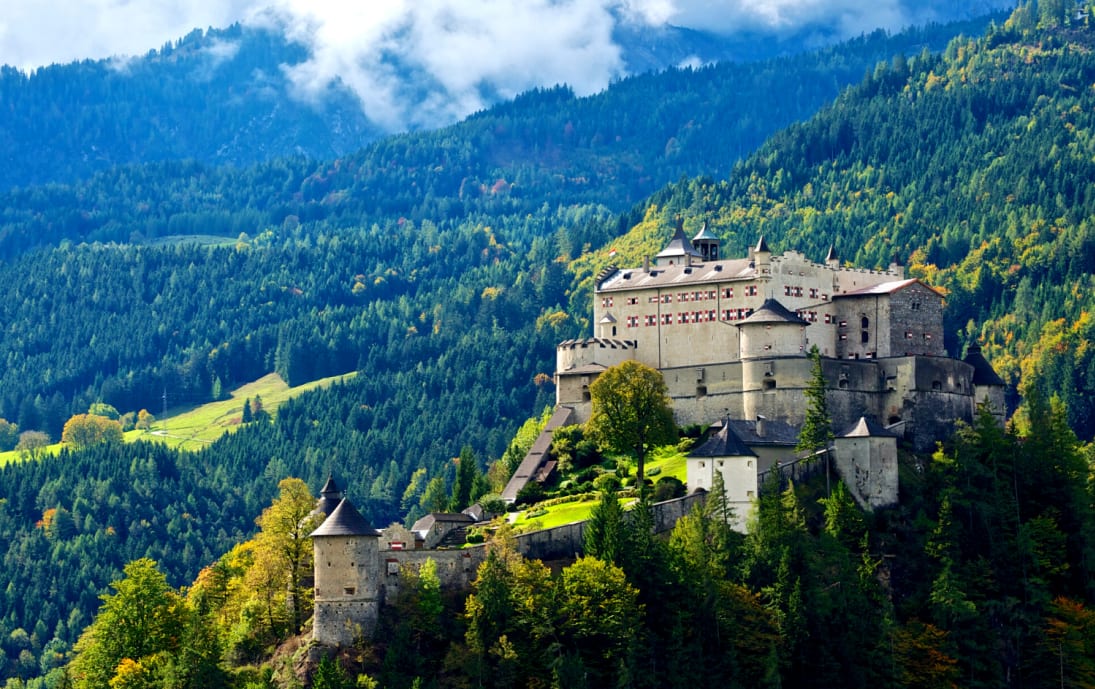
(631, 411)
(85, 430)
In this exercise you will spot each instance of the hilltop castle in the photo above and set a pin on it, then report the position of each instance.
(732, 339)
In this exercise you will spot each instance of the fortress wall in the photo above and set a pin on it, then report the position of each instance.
(346, 588)
(606, 352)
(456, 568)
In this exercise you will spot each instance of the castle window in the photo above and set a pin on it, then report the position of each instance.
(786, 290)
(632, 301)
(650, 319)
(683, 296)
(865, 337)
(349, 590)
(927, 336)
(824, 297)
(667, 319)
(632, 321)
(711, 294)
(750, 290)
(769, 385)
(711, 315)
(701, 391)
(653, 300)
(828, 319)
(915, 306)
(908, 334)
(843, 324)
(727, 315)
(585, 393)
(667, 298)
(606, 302)
(865, 322)
(844, 336)
(613, 331)
(813, 292)
(798, 291)
(843, 384)
(728, 293)
(936, 385)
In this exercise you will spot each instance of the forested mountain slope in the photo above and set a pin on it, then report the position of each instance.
(434, 263)
(972, 168)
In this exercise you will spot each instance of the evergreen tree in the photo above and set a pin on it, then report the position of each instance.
(817, 428)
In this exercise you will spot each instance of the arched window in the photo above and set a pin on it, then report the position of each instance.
(865, 322)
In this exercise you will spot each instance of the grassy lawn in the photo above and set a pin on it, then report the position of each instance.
(195, 427)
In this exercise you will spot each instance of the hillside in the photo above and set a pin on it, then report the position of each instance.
(409, 262)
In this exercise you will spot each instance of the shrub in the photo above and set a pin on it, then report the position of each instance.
(667, 488)
(608, 483)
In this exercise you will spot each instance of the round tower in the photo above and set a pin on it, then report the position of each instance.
(772, 344)
(347, 575)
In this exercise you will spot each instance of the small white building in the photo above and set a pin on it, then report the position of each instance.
(725, 455)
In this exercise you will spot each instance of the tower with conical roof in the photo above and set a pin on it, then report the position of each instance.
(347, 575)
(329, 497)
(988, 386)
(679, 251)
(706, 243)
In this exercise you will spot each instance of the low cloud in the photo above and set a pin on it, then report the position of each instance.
(428, 62)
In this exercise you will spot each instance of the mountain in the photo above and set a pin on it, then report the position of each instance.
(228, 97)
(436, 263)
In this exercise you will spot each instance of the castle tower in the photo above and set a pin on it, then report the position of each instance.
(725, 454)
(706, 243)
(347, 576)
(865, 455)
(679, 251)
(988, 387)
(831, 258)
(329, 497)
(762, 257)
(772, 347)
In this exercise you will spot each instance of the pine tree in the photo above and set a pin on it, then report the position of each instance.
(817, 428)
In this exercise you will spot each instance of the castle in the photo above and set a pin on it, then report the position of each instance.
(732, 339)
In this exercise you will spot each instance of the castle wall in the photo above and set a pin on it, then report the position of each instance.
(456, 569)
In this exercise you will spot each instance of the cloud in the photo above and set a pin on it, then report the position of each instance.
(428, 62)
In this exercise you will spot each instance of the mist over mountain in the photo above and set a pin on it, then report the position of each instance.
(292, 80)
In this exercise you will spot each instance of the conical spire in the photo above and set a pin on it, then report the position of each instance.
(762, 246)
(831, 256)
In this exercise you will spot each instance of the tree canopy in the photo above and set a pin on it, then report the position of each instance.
(631, 411)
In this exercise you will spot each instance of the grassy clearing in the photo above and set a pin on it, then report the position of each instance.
(195, 427)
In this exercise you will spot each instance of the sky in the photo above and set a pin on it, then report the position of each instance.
(459, 50)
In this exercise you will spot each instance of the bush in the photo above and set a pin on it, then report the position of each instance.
(532, 493)
(608, 483)
(667, 488)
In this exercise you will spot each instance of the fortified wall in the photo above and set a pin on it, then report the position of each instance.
(357, 571)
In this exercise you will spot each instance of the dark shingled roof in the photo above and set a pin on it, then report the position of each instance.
(345, 521)
(778, 433)
(329, 498)
(725, 443)
(762, 246)
(771, 311)
(866, 428)
(679, 246)
(983, 373)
